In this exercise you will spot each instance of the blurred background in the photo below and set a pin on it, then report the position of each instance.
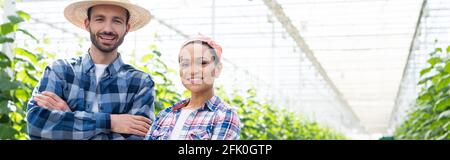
(350, 65)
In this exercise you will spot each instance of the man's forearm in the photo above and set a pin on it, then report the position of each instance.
(66, 125)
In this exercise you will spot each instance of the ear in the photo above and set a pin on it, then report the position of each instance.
(86, 24)
(217, 70)
(128, 28)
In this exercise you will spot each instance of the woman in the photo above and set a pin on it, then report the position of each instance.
(204, 115)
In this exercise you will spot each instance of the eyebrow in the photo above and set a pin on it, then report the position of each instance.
(197, 59)
(117, 17)
(103, 16)
(99, 16)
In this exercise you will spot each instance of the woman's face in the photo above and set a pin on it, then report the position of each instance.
(197, 67)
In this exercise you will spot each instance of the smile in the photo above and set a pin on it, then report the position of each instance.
(195, 80)
(107, 39)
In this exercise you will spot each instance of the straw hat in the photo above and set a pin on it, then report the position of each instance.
(76, 12)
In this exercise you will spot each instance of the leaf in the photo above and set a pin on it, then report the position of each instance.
(7, 28)
(19, 59)
(21, 95)
(6, 85)
(147, 58)
(440, 69)
(25, 53)
(447, 126)
(445, 114)
(424, 80)
(7, 132)
(157, 53)
(433, 61)
(442, 104)
(424, 97)
(28, 34)
(4, 108)
(447, 67)
(23, 15)
(443, 83)
(438, 50)
(6, 40)
(170, 70)
(436, 78)
(426, 70)
(16, 117)
(15, 19)
(32, 77)
(4, 61)
(30, 67)
(443, 137)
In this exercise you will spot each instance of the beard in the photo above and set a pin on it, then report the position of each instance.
(105, 48)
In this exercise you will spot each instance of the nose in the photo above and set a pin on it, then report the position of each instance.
(108, 27)
(195, 69)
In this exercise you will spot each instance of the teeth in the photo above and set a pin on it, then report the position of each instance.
(107, 37)
(195, 80)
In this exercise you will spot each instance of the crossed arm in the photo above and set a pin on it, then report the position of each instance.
(120, 123)
(49, 116)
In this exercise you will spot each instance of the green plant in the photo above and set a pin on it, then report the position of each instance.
(165, 92)
(430, 117)
(19, 72)
(17, 79)
(261, 121)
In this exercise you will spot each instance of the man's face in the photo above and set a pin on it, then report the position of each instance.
(107, 27)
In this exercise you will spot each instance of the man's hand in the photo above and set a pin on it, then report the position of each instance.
(130, 124)
(51, 101)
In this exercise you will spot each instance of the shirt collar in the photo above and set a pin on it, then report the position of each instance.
(210, 104)
(112, 69)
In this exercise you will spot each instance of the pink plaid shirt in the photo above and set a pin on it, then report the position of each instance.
(214, 121)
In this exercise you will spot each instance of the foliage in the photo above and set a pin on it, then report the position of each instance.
(20, 72)
(17, 78)
(261, 121)
(151, 63)
(430, 118)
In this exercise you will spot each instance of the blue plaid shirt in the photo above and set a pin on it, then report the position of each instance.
(122, 90)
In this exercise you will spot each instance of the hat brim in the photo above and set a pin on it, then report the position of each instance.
(76, 13)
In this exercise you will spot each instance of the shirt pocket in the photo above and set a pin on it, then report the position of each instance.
(199, 135)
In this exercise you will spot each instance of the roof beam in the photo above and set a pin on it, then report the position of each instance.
(395, 110)
(279, 13)
(164, 23)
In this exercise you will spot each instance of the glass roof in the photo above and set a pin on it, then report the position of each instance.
(340, 62)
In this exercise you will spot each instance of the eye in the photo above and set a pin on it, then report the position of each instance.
(99, 19)
(118, 21)
(204, 63)
(184, 65)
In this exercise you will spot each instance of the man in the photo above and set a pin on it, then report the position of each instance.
(96, 96)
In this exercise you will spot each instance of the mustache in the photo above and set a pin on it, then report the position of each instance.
(107, 34)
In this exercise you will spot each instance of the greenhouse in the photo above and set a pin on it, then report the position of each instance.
(335, 69)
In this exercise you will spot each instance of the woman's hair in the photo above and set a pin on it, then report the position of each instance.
(211, 49)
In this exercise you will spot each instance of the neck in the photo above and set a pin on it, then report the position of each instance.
(198, 99)
(100, 57)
